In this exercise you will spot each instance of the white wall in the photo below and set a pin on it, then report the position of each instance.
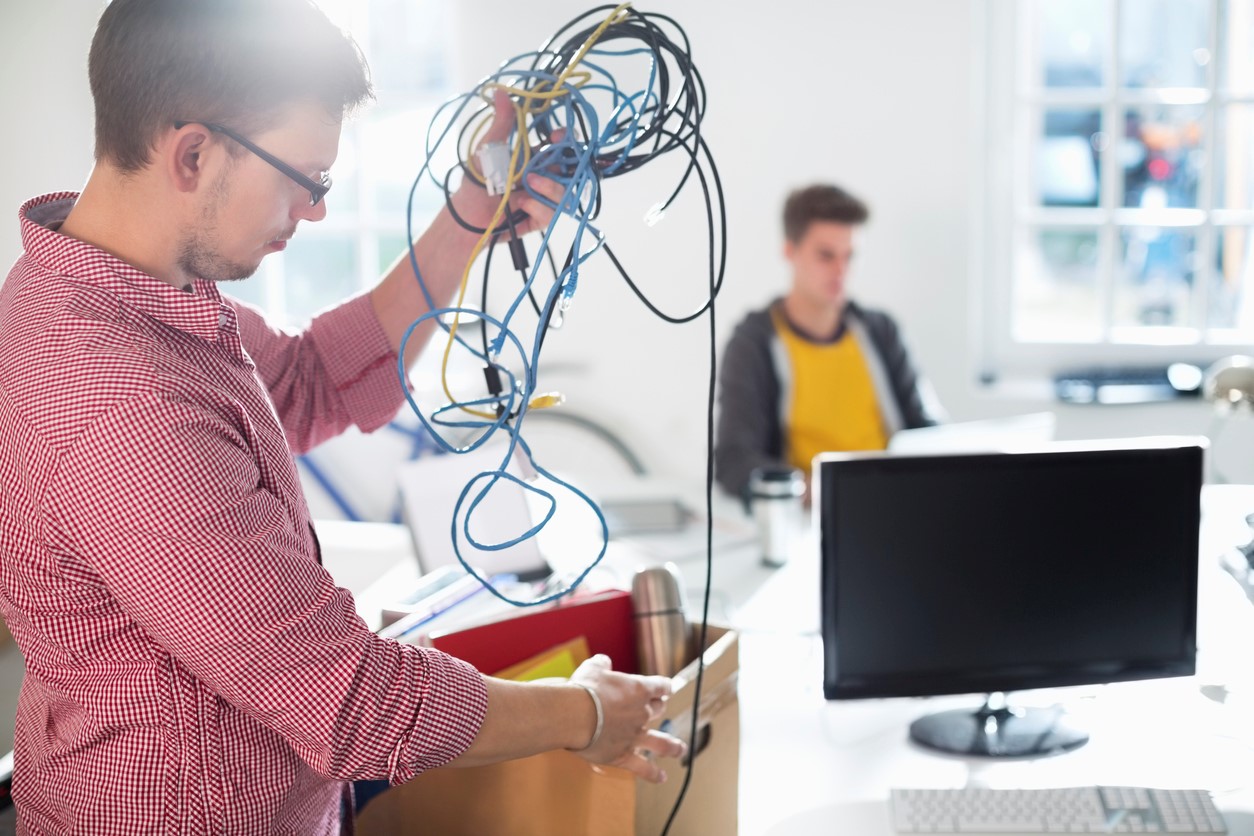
(45, 146)
(879, 97)
(873, 96)
(876, 96)
(46, 143)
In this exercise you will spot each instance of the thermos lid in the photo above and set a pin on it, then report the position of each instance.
(657, 589)
(775, 482)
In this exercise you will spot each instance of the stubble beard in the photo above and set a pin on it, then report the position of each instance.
(199, 256)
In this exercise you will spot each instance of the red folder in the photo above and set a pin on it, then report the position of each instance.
(604, 619)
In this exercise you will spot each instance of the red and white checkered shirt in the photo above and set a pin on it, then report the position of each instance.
(190, 667)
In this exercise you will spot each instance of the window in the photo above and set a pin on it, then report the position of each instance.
(406, 43)
(1120, 182)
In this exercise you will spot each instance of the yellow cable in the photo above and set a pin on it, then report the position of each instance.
(461, 292)
(592, 39)
(520, 147)
(580, 79)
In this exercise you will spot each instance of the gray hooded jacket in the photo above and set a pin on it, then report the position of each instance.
(754, 382)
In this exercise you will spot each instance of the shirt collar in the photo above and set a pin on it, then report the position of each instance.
(781, 319)
(200, 312)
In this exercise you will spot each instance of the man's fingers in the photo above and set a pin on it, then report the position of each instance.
(650, 745)
(551, 189)
(661, 744)
(536, 209)
(591, 667)
(503, 117)
(538, 212)
(600, 662)
(657, 687)
(642, 766)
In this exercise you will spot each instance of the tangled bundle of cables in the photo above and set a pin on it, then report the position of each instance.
(576, 124)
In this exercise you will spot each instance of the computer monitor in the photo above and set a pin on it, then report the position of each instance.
(989, 573)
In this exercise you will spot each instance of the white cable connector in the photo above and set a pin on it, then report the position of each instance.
(494, 166)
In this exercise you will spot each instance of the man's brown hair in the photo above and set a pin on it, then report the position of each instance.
(821, 203)
(232, 62)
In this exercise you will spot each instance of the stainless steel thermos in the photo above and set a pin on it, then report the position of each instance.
(663, 635)
(775, 498)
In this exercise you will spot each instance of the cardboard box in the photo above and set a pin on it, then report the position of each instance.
(710, 807)
(560, 793)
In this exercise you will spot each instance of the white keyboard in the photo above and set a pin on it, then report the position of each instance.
(1070, 810)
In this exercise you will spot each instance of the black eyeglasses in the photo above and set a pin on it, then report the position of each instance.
(317, 188)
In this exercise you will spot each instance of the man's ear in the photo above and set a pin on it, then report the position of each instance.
(790, 249)
(185, 158)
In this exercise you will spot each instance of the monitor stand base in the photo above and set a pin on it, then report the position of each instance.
(998, 730)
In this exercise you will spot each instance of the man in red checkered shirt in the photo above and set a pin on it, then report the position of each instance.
(190, 667)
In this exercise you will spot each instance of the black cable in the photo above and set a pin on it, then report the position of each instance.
(483, 300)
(691, 102)
(718, 271)
(544, 314)
(688, 105)
(517, 214)
(709, 536)
(667, 120)
(687, 109)
(703, 637)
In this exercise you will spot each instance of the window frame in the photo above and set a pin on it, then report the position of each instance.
(365, 225)
(1004, 214)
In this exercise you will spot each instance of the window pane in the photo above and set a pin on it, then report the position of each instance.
(1155, 276)
(342, 200)
(391, 246)
(1070, 40)
(1056, 297)
(1232, 288)
(319, 272)
(1068, 160)
(1234, 168)
(394, 146)
(1236, 38)
(408, 48)
(251, 290)
(1162, 156)
(1163, 43)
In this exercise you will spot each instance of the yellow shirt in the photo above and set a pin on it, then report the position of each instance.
(830, 399)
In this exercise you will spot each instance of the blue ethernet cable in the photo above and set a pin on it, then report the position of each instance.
(638, 125)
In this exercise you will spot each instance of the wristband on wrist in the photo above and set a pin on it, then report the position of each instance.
(596, 701)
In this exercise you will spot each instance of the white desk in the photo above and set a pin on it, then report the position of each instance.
(809, 766)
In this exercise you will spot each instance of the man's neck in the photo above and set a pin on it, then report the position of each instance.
(115, 214)
(821, 322)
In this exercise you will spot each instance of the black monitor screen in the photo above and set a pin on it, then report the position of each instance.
(995, 572)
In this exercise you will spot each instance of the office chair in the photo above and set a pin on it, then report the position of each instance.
(6, 781)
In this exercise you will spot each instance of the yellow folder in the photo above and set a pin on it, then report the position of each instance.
(559, 661)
